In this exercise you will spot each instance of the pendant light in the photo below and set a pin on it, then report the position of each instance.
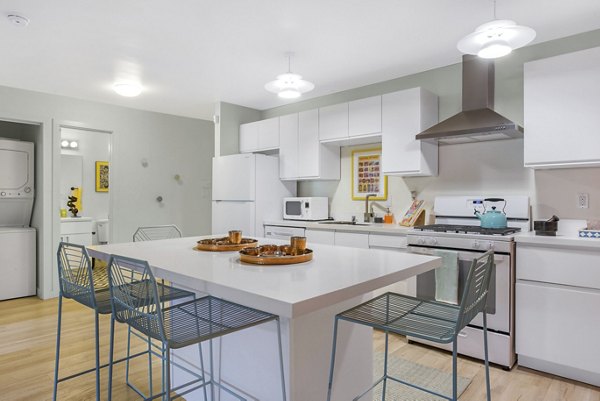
(289, 85)
(496, 38)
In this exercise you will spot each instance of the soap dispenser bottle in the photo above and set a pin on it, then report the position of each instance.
(389, 217)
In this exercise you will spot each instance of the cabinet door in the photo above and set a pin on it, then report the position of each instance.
(320, 237)
(84, 239)
(288, 146)
(558, 324)
(364, 116)
(561, 102)
(333, 122)
(249, 137)
(354, 240)
(268, 134)
(405, 114)
(308, 143)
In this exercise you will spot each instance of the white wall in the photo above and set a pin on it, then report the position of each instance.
(172, 145)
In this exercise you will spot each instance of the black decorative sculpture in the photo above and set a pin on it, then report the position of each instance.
(71, 204)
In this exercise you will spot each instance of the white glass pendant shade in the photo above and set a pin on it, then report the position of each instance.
(289, 86)
(496, 39)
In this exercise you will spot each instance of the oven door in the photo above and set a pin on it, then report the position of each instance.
(498, 301)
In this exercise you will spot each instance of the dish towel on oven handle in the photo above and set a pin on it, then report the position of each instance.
(446, 277)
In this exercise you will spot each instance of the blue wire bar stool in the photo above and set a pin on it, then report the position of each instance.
(151, 233)
(178, 325)
(430, 320)
(76, 280)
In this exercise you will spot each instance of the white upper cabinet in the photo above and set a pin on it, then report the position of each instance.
(364, 116)
(301, 155)
(333, 122)
(249, 137)
(562, 99)
(405, 114)
(288, 146)
(259, 135)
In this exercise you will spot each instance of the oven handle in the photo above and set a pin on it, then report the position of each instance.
(462, 255)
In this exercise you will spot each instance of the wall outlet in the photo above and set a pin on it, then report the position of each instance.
(582, 201)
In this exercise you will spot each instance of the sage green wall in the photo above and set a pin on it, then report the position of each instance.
(478, 168)
(227, 130)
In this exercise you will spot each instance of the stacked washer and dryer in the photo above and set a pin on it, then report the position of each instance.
(17, 238)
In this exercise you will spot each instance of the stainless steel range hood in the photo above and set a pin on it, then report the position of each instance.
(478, 121)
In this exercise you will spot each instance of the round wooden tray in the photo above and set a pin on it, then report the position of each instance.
(275, 255)
(224, 245)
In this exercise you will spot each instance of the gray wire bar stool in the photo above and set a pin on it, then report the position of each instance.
(76, 282)
(430, 320)
(179, 325)
(152, 233)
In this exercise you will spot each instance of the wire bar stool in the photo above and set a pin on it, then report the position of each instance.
(430, 320)
(76, 282)
(152, 233)
(180, 324)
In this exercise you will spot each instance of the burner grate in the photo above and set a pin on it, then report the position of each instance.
(465, 229)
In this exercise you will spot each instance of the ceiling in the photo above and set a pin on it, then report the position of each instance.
(188, 55)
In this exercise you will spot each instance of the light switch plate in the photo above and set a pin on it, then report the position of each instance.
(582, 200)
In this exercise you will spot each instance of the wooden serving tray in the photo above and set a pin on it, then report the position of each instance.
(224, 245)
(275, 255)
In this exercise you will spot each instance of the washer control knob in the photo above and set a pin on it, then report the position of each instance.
(476, 244)
(27, 190)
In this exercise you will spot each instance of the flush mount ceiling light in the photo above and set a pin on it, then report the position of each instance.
(496, 38)
(127, 89)
(289, 85)
(18, 20)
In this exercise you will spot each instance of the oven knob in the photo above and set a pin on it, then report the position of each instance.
(433, 241)
(476, 244)
(491, 245)
(421, 241)
(3, 194)
(27, 190)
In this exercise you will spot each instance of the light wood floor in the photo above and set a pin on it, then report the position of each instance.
(28, 338)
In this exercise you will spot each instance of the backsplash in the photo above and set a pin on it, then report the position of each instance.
(488, 168)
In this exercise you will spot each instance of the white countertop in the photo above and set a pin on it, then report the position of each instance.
(377, 228)
(567, 236)
(334, 275)
(74, 219)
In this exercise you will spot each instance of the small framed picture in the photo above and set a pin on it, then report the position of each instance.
(366, 175)
(102, 176)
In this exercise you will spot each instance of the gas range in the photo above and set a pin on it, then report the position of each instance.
(466, 229)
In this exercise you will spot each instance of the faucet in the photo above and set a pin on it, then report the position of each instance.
(368, 215)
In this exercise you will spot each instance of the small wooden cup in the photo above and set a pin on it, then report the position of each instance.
(235, 236)
(298, 244)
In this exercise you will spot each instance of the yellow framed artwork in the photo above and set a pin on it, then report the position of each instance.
(367, 177)
(102, 176)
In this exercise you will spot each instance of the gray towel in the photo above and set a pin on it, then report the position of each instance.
(446, 277)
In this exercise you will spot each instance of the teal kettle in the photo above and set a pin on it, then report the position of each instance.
(492, 218)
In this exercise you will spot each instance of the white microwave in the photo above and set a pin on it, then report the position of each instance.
(306, 208)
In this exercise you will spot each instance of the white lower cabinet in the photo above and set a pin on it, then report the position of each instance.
(355, 240)
(556, 322)
(76, 232)
(320, 237)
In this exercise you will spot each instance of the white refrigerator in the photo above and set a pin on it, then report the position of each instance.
(246, 190)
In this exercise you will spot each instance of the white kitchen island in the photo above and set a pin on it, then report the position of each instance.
(306, 296)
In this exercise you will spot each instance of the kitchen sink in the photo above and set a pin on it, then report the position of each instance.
(349, 223)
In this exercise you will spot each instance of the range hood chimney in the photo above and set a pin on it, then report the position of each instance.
(477, 121)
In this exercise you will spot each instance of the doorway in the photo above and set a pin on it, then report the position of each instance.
(84, 185)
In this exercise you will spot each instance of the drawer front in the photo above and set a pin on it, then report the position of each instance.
(387, 241)
(320, 237)
(575, 267)
(355, 240)
(76, 227)
(558, 324)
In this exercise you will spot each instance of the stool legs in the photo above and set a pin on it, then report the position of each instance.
(487, 363)
(454, 367)
(281, 359)
(385, 364)
(56, 359)
(331, 365)
(97, 335)
(110, 356)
